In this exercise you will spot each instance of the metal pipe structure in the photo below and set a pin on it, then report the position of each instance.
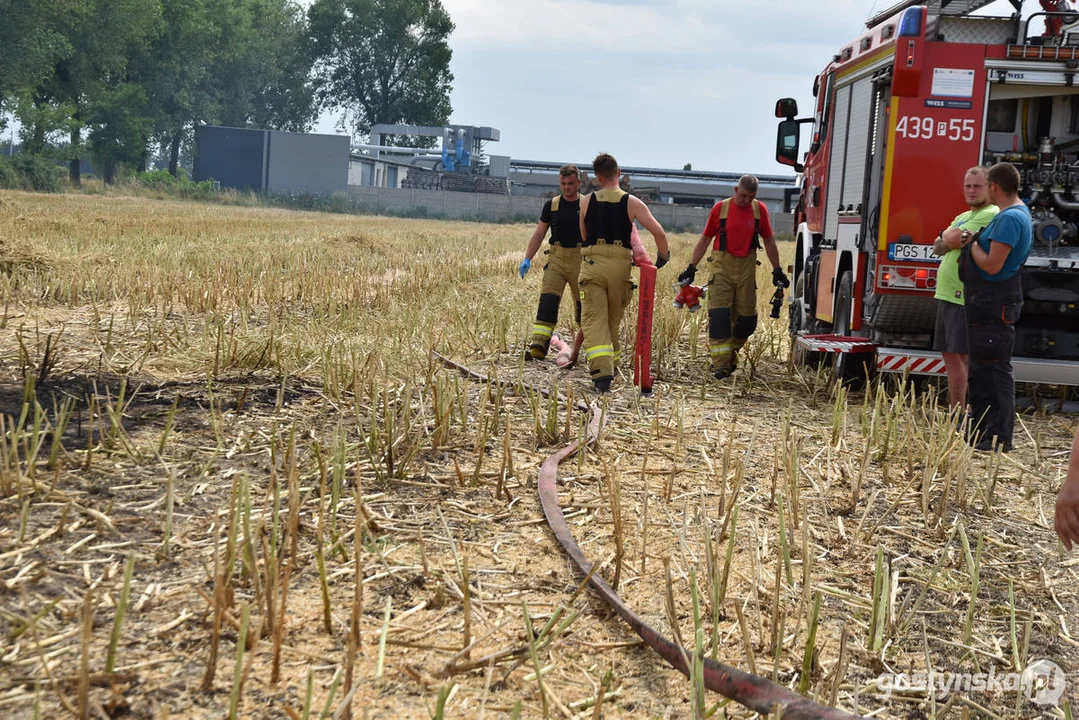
(549, 166)
(754, 692)
(1062, 202)
(398, 149)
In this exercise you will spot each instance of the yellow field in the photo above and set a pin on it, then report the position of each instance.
(207, 395)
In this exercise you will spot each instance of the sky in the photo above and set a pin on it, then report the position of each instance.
(656, 83)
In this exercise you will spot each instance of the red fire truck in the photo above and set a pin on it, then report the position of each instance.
(926, 92)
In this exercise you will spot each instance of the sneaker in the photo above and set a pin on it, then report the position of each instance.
(603, 385)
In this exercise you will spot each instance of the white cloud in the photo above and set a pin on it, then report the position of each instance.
(680, 27)
(659, 83)
(656, 82)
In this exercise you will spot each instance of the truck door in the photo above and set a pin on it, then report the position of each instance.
(848, 170)
(817, 174)
(878, 147)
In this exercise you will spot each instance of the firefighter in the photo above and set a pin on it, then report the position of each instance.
(735, 228)
(950, 337)
(560, 214)
(1066, 520)
(993, 297)
(607, 218)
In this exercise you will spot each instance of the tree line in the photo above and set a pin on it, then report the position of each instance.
(122, 82)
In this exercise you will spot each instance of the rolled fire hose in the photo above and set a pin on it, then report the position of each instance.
(754, 692)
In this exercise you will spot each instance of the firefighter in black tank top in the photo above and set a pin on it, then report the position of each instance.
(561, 215)
(606, 222)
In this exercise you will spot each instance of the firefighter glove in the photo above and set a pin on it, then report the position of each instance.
(661, 260)
(686, 276)
(780, 279)
(523, 270)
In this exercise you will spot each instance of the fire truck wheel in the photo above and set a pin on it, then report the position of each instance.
(800, 321)
(850, 368)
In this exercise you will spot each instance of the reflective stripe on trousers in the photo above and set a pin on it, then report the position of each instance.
(605, 292)
(562, 268)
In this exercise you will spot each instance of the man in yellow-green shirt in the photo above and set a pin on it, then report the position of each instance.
(950, 337)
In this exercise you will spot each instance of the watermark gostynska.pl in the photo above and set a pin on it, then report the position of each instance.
(1042, 682)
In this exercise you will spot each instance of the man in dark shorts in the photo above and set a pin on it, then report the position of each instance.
(951, 333)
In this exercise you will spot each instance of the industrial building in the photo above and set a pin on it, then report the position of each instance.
(267, 160)
(272, 161)
(661, 186)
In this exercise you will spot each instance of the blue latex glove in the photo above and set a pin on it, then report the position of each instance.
(523, 270)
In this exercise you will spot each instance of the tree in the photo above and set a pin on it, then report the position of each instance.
(138, 74)
(119, 125)
(174, 71)
(263, 70)
(687, 166)
(229, 62)
(383, 61)
(103, 35)
(30, 43)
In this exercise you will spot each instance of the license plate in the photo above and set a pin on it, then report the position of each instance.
(911, 251)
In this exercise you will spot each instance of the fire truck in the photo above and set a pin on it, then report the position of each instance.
(929, 90)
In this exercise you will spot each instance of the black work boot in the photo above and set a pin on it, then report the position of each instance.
(603, 385)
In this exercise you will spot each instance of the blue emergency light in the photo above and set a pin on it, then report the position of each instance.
(911, 24)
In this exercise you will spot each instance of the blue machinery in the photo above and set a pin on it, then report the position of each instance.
(462, 145)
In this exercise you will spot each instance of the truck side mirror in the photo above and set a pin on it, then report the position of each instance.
(786, 108)
(787, 139)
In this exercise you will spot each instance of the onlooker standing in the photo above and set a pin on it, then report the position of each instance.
(1066, 520)
(994, 296)
(950, 337)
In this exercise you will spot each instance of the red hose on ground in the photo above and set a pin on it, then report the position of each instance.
(642, 356)
(754, 692)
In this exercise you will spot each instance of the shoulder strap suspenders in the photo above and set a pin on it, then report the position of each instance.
(724, 207)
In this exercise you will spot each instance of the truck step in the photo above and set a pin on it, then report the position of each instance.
(836, 344)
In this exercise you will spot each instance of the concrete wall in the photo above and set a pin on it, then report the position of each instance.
(504, 208)
(235, 157)
(250, 159)
(309, 163)
(696, 192)
(364, 171)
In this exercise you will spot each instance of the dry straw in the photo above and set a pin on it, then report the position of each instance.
(244, 402)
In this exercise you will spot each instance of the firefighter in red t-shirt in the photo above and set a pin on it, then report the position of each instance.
(736, 228)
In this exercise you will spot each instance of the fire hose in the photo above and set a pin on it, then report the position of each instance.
(756, 693)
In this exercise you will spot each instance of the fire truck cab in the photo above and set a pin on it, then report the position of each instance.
(901, 113)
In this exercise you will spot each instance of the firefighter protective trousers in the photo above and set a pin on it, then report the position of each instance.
(732, 306)
(606, 290)
(562, 268)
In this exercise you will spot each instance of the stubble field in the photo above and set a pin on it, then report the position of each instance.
(235, 481)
